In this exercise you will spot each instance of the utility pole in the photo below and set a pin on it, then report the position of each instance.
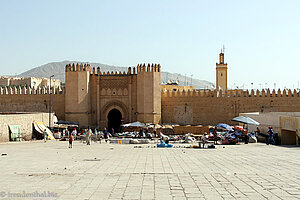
(50, 101)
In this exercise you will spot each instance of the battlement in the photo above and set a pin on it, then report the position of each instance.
(231, 93)
(97, 72)
(148, 68)
(78, 67)
(30, 90)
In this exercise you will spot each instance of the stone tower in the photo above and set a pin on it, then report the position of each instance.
(221, 73)
(77, 98)
(149, 93)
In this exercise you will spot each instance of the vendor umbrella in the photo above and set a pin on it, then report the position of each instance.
(224, 126)
(135, 124)
(245, 120)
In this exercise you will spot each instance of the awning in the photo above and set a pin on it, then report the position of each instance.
(40, 127)
(245, 120)
(15, 131)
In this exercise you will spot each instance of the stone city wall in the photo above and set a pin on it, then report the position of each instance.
(212, 107)
(24, 120)
(32, 100)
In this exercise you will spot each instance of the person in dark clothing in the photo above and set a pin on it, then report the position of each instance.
(105, 134)
(271, 136)
(215, 136)
(113, 132)
(141, 133)
(246, 137)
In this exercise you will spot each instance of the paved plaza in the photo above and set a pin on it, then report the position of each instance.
(119, 171)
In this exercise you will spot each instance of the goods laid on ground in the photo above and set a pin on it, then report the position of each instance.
(164, 145)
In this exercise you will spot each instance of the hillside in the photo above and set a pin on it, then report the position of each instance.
(58, 70)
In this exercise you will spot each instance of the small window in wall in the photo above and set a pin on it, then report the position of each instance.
(174, 90)
(221, 74)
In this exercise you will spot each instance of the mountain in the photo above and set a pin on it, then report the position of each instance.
(58, 70)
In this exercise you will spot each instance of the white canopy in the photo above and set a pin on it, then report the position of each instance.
(135, 124)
(245, 120)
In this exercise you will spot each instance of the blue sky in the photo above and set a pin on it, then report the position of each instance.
(261, 37)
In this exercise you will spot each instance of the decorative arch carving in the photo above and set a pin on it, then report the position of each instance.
(125, 92)
(108, 92)
(103, 92)
(120, 93)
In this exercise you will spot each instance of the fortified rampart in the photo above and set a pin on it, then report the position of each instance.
(212, 107)
(105, 99)
(24, 120)
(17, 99)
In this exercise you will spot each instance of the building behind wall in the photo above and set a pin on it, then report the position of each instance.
(29, 82)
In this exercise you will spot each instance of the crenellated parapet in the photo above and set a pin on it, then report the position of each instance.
(231, 93)
(30, 90)
(149, 68)
(78, 67)
(97, 72)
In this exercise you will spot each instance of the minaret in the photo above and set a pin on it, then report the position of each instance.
(221, 73)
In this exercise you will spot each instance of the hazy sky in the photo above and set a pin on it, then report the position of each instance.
(261, 37)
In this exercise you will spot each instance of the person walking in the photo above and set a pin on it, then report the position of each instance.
(154, 131)
(246, 137)
(141, 133)
(64, 133)
(271, 136)
(105, 134)
(74, 133)
(88, 136)
(215, 136)
(67, 133)
(113, 132)
(70, 141)
(96, 135)
(257, 132)
(45, 135)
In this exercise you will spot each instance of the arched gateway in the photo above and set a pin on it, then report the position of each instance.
(115, 113)
(114, 118)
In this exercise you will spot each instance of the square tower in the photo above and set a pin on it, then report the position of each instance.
(149, 93)
(77, 98)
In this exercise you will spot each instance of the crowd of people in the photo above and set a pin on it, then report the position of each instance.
(233, 137)
(87, 135)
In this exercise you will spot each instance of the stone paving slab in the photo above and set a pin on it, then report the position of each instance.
(114, 171)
